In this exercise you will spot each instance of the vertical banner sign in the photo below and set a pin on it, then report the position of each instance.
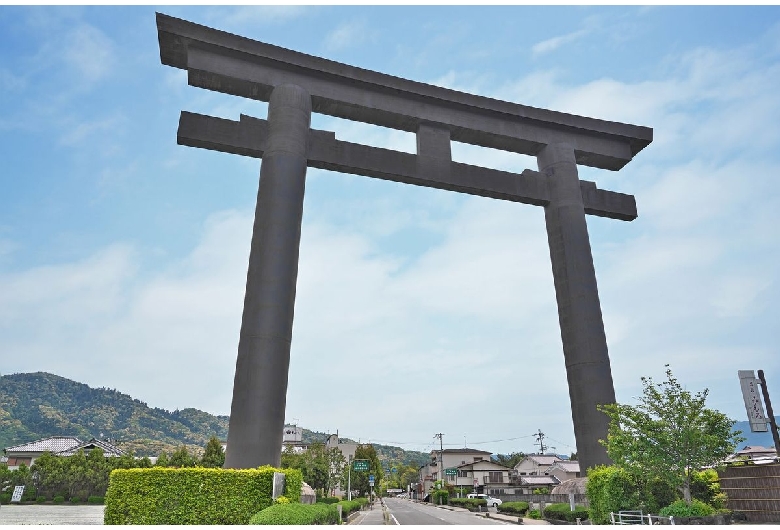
(17, 495)
(753, 404)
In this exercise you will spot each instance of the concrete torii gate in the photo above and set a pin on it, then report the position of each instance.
(295, 85)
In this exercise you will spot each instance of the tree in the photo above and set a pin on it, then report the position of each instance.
(181, 458)
(510, 460)
(669, 434)
(213, 455)
(360, 478)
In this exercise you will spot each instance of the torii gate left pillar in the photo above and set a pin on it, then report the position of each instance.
(260, 385)
(296, 84)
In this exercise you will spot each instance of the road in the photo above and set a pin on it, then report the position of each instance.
(403, 511)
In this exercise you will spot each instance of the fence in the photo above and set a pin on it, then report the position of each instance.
(754, 490)
(580, 499)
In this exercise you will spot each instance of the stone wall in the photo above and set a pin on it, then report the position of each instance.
(753, 490)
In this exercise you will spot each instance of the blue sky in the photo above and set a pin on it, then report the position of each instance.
(123, 255)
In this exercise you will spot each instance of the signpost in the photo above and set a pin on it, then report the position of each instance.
(451, 472)
(360, 465)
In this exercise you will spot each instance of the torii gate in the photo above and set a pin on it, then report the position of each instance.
(295, 85)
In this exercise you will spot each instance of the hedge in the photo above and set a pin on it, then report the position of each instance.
(193, 495)
(519, 508)
(347, 507)
(610, 489)
(297, 514)
(471, 504)
(562, 512)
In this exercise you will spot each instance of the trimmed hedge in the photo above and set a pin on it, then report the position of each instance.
(518, 508)
(470, 504)
(297, 514)
(562, 512)
(193, 495)
(682, 509)
(96, 500)
(347, 507)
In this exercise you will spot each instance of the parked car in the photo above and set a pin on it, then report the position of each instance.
(491, 501)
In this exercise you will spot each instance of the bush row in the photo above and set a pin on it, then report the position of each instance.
(562, 512)
(193, 495)
(307, 514)
(471, 504)
(515, 508)
(297, 514)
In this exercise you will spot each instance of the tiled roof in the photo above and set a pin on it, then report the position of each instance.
(53, 444)
(461, 451)
(108, 449)
(569, 466)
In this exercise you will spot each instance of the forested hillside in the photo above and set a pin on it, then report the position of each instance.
(37, 405)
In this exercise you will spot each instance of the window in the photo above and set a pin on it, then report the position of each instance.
(496, 477)
(463, 474)
(15, 461)
(478, 458)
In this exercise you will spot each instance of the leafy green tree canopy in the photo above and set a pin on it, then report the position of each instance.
(669, 434)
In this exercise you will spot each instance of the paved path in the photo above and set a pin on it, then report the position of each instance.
(50, 514)
(411, 512)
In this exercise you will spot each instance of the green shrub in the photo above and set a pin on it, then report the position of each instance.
(440, 496)
(681, 509)
(562, 512)
(610, 489)
(193, 495)
(59, 499)
(471, 504)
(75, 499)
(40, 499)
(281, 499)
(534, 514)
(96, 500)
(5, 498)
(518, 508)
(354, 505)
(297, 514)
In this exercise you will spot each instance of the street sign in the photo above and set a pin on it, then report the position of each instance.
(360, 465)
(371, 478)
(451, 471)
(753, 405)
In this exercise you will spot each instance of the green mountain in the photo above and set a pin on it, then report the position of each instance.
(37, 405)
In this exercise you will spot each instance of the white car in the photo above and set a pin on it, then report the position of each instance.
(491, 501)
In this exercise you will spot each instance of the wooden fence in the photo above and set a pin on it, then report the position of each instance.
(753, 490)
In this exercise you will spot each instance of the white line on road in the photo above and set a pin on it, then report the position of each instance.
(395, 520)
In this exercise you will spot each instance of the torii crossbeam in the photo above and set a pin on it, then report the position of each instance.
(295, 85)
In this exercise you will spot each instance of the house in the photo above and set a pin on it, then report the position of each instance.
(536, 464)
(108, 449)
(755, 454)
(57, 445)
(446, 459)
(28, 452)
(527, 484)
(484, 476)
(563, 470)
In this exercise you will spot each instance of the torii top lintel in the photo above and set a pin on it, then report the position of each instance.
(220, 61)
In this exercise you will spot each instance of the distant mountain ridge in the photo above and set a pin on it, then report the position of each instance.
(754, 439)
(38, 405)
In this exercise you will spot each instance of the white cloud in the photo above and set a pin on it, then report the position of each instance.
(90, 52)
(549, 45)
(347, 35)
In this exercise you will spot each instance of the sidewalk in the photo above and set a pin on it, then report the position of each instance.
(370, 516)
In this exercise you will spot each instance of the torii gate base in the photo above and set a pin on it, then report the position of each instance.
(295, 85)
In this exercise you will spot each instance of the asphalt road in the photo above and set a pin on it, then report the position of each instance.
(403, 512)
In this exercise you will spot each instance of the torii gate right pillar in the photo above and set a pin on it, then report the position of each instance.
(579, 311)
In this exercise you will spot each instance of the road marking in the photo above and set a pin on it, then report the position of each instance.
(395, 521)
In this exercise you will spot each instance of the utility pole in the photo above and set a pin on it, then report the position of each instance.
(540, 439)
(770, 412)
(441, 457)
